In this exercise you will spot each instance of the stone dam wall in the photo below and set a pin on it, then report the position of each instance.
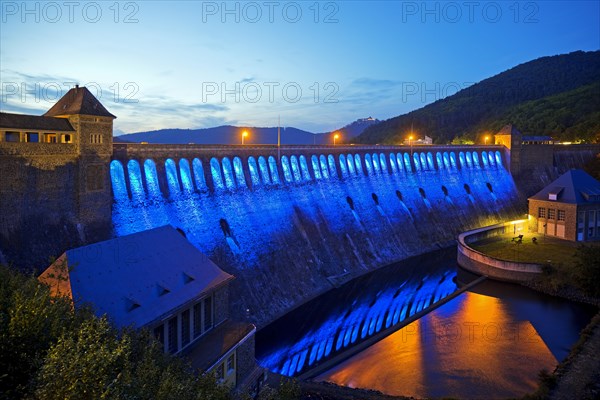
(292, 227)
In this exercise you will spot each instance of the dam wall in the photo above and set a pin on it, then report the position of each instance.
(293, 222)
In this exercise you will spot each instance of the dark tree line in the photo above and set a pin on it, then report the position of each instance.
(556, 95)
(50, 351)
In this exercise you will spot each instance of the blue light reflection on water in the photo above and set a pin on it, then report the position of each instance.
(348, 315)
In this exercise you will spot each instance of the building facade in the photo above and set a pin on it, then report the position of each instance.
(568, 208)
(157, 280)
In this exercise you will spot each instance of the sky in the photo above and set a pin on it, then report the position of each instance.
(314, 65)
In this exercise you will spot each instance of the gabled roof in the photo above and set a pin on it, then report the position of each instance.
(135, 279)
(78, 100)
(573, 187)
(537, 138)
(508, 130)
(34, 122)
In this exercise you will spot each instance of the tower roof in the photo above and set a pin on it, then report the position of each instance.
(78, 100)
(22, 121)
(573, 187)
(509, 130)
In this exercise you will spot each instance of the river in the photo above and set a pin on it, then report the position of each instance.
(490, 341)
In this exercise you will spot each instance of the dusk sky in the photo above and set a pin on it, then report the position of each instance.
(318, 65)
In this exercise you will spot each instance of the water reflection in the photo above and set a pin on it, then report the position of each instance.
(490, 343)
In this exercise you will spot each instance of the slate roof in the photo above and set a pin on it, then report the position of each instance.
(537, 138)
(508, 130)
(573, 187)
(135, 279)
(78, 100)
(34, 122)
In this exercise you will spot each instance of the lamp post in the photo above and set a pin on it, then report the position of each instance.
(335, 138)
(485, 140)
(244, 135)
(410, 138)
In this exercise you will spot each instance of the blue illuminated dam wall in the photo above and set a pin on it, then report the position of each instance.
(293, 222)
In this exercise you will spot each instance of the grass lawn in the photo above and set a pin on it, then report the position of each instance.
(546, 250)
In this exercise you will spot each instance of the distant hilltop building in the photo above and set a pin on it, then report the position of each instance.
(420, 141)
(510, 136)
(568, 208)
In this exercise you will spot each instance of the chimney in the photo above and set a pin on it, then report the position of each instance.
(76, 88)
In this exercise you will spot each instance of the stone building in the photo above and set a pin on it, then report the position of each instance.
(54, 178)
(158, 280)
(568, 208)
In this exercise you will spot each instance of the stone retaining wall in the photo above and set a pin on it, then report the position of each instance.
(482, 264)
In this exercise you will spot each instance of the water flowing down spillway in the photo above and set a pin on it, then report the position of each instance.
(288, 227)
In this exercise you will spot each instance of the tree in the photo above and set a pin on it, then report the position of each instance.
(587, 269)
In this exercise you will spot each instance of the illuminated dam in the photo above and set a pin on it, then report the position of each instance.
(293, 222)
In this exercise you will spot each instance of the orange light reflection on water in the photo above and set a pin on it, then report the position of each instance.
(473, 349)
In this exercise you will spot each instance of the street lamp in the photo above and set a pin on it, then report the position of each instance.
(244, 135)
(335, 138)
(410, 138)
(485, 140)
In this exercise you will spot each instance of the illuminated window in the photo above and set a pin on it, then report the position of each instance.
(561, 215)
(541, 212)
(50, 137)
(67, 138)
(197, 320)
(208, 313)
(12, 137)
(172, 334)
(95, 139)
(231, 363)
(185, 328)
(551, 213)
(32, 137)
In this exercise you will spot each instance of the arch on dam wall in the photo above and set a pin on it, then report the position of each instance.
(186, 175)
(264, 170)
(343, 165)
(383, 162)
(199, 174)
(287, 174)
(332, 168)
(152, 183)
(304, 168)
(238, 168)
(172, 177)
(324, 167)
(273, 170)
(215, 171)
(254, 174)
(135, 179)
(316, 168)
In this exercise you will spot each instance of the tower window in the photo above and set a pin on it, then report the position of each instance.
(95, 139)
(67, 138)
(50, 137)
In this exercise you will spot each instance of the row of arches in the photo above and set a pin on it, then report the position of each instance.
(389, 309)
(235, 173)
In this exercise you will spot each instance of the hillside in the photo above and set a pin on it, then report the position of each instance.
(555, 95)
(228, 134)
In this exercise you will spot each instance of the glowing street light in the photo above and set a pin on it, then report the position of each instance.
(410, 138)
(335, 138)
(244, 135)
(485, 140)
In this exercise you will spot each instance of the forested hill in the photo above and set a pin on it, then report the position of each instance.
(558, 96)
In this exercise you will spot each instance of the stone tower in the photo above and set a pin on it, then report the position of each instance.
(93, 141)
(55, 190)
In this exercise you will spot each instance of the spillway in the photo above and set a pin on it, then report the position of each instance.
(292, 226)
